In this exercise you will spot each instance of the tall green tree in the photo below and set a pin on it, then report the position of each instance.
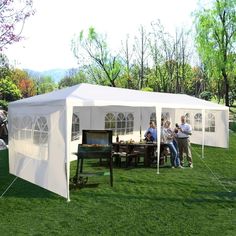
(93, 52)
(45, 85)
(142, 53)
(74, 77)
(215, 37)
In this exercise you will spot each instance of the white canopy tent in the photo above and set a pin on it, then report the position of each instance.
(44, 130)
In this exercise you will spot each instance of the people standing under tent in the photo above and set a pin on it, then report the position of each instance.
(168, 140)
(183, 132)
(153, 130)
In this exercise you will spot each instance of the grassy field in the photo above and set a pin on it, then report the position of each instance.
(198, 201)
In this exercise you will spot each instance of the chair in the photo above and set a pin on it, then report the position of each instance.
(164, 153)
(127, 152)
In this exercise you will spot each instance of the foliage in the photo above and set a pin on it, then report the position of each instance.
(198, 201)
(4, 66)
(147, 89)
(4, 104)
(13, 14)
(25, 84)
(232, 126)
(206, 95)
(93, 53)
(215, 37)
(8, 90)
(45, 85)
(232, 97)
(73, 79)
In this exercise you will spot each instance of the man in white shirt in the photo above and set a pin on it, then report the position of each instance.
(184, 131)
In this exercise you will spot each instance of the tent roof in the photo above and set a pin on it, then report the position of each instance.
(97, 95)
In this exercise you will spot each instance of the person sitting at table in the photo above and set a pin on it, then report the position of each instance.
(167, 136)
(149, 138)
(153, 130)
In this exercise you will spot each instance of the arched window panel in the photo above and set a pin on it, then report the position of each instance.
(210, 123)
(130, 124)
(110, 122)
(153, 117)
(75, 129)
(198, 122)
(121, 123)
(188, 120)
(40, 131)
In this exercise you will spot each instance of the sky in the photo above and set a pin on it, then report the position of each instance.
(48, 34)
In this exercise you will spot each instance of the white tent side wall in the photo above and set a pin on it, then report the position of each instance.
(94, 118)
(37, 150)
(216, 130)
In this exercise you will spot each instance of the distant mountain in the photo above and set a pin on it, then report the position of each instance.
(55, 74)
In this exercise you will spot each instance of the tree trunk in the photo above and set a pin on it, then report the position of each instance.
(226, 87)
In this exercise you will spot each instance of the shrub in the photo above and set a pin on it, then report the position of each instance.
(4, 104)
(232, 97)
(232, 126)
(147, 89)
(206, 95)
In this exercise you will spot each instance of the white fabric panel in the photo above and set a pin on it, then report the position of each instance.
(219, 138)
(46, 169)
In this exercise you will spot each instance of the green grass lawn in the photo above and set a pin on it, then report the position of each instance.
(198, 201)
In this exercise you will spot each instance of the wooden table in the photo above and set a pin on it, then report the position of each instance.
(143, 148)
(86, 151)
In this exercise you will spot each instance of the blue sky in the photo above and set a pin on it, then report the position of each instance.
(49, 32)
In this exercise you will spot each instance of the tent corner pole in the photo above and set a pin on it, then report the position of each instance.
(158, 127)
(203, 130)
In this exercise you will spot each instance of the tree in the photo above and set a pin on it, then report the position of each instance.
(13, 14)
(162, 47)
(24, 83)
(45, 85)
(4, 66)
(126, 56)
(8, 90)
(98, 59)
(74, 77)
(182, 57)
(142, 53)
(215, 37)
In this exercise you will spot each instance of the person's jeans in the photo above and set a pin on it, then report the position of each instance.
(174, 154)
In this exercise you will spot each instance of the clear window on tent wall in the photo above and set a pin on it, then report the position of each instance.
(30, 135)
(121, 123)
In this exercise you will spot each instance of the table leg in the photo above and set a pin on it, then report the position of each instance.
(81, 165)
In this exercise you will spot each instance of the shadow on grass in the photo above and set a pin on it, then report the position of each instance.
(229, 195)
(166, 200)
(24, 189)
